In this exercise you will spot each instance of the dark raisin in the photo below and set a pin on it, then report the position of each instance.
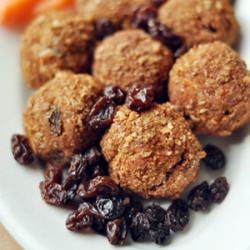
(93, 156)
(79, 220)
(215, 159)
(53, 193)
(89, 206)
(117, 231)
(97, 186)
(160, 233)
(140, 98)
(110, 207)
(102, 114)
(139, 227)
(141, 17)
(99, 225)
(158, 3)
(219, 189)
(71, 191)
(55, 123)
(133, 206)
(78, 167)
(53, 172)
(177, 216)
(115, 93)
(199, 197)
(180, 51)
(99, 170)
(155, 213)
(162, 33)
(104, 27)
(21, 149)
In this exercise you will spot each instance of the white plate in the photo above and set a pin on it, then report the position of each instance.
(38, 226)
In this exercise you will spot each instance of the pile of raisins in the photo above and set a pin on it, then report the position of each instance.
(100, 205)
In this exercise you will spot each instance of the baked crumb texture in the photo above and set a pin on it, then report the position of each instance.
(154, 153)
(131, 57)
(55, 116)
(201, 21)
(115, 10)
(212, 86)
(52, 42)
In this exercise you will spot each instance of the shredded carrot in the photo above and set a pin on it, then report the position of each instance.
(48, 5)
(15, 13)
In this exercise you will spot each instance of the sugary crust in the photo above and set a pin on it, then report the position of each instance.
(153, 153)
(52, 42)
(72, 97)
(201, 21)
(212, 85)
(115, 10)
(130, 57)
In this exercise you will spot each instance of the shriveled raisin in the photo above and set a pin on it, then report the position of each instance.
(117, 231)
(141, 17)
(177, 216)
(78, 167)
(102, 114)
(104, 27)
(155, 213)
(140, 98)
(159, 233)
(219, 189)
(53, 172)
(115, 93)
(215, 159)
(97, 186)
(199, 197)
(53, 193)
(99, 225)
(93, 156)
(21, 149)
(79, 220)
(110, 207)
(158, 3)
(139, 227)
(162, 33)
(55, 123)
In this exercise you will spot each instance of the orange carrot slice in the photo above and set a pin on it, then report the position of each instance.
(15, 13)
(48, 5)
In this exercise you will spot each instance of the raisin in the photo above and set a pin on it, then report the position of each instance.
(102, 114)
(133, 206)
(140, 98)
(219, 189)
(21, 149)
(180, 51)
(93, 156)
(53, 172)
(162, 33)
(79, 220)
(55, 123)
(110, 207)
(160, 233)
(177, 216)
(115, 93)
(199, 197)
(139, 227)
(89, 206)
(141, 17)
(103, 28)
(53, 193)
(99, 225)
(155, 213)
(99, 170)
(158, 3)
(215, 159)
(97, 186)
(78, 167)
(117, 231)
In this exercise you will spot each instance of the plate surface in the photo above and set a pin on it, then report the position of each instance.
(38, 226)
